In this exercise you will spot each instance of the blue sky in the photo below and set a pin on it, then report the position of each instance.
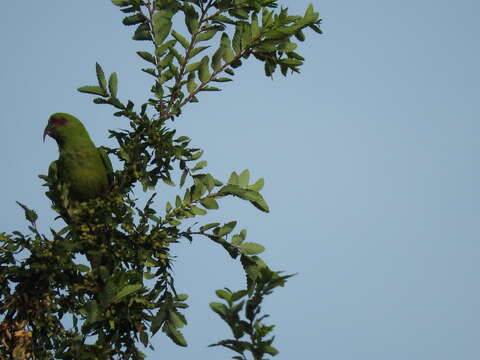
(370, 158)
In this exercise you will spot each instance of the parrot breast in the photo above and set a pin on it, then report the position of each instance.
(84, 172)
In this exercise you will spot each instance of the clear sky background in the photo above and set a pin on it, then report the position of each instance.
(370, 158)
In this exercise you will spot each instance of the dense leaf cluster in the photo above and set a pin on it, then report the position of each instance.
(52, 304)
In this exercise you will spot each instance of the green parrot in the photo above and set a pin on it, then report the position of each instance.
(81, 173)
(85, 169)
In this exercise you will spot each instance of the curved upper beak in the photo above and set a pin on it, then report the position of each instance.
(48, 130)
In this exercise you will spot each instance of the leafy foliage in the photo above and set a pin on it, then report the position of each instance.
(250, 332)
(52, 304)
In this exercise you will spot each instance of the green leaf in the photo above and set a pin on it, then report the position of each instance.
(193, 66)
(278, 34)
(243, 234)
(184, 42)
(134, 19)
(300, 35)
(222, 79)
(176, 319)
(183, 177)
(270, 68)
(270, 350)
(162, 24)
(96, 90)
(100, 101)
(64, 230)
(233, 178)
(175, 335)
(113, 84)
(209, 203)
(144, 338)
(316, 28)
(254, 197)
(254, 26)
(291, 62)
(266, 47)
(169, 182)
(239, 13)
(127, 290)
(310, 14)
(244, 178)
(245, 34)
(198, 190)
(223, 294)
(197, 50)
(217, 59)
(228, 54)
(181, 297)
(236, 240)
(150, 71)
(197, 155)
(199, 165)
(30, 215)
(257, 186)
(267, 17)
(227, 228)
(160, 51)
(237, 39)
(121, 2)
(167, 60)
(209, 182)
(117, 103)
(197, 211)
(174, 222)
(235, 309)
(238, 295)
(251, 248)
(191, 19)
(187, 198)
(102, 81)
(203, 73)
(147, 57)
(219, 308)
(208, 226)
(182, 139)
(287, 47)
(191, 84)
(210, 88)
(158, 321)
(207, 35)
(261, 204)
(223, 19)
(253, 266)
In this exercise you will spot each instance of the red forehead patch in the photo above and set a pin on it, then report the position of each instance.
(58, 121)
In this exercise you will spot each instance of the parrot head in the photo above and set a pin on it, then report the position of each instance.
(62, 126)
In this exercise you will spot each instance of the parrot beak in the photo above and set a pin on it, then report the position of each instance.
(48, 130)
